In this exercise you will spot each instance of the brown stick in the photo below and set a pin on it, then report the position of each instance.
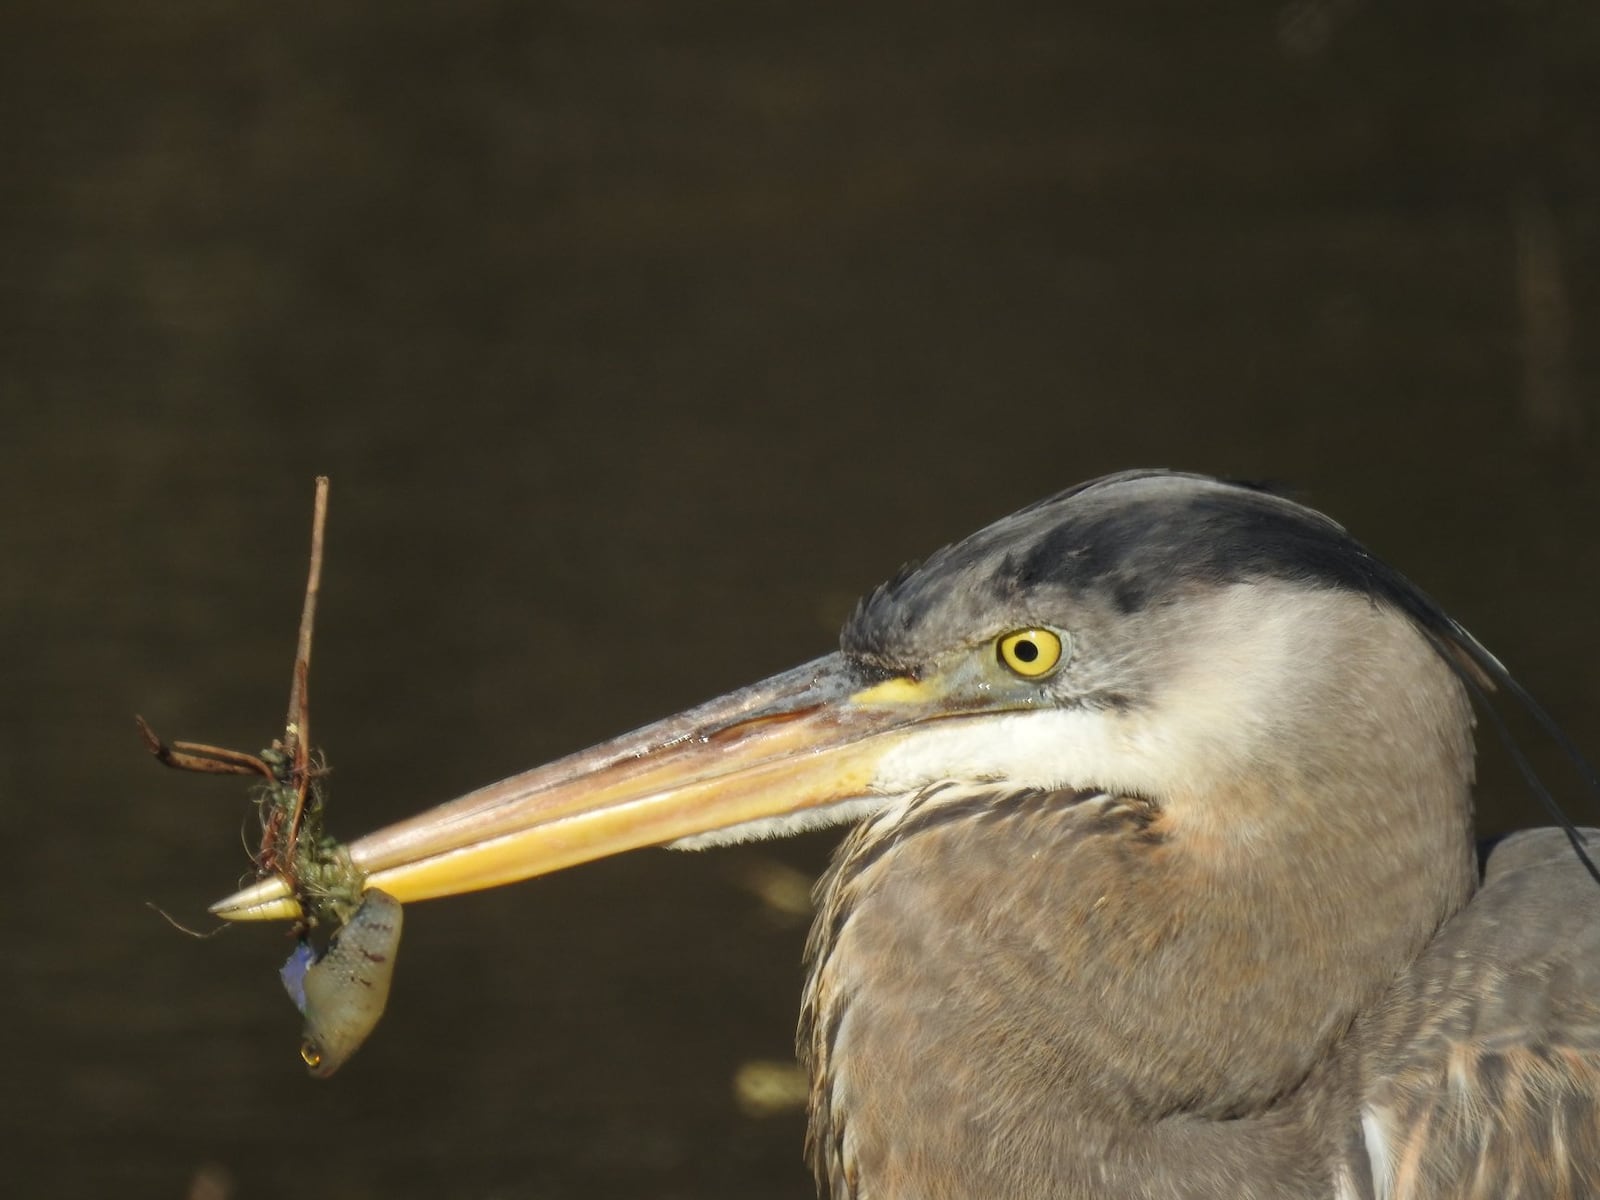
(198, 756)
(297, 725)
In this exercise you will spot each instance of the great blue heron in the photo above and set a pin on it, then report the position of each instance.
(1162, 880)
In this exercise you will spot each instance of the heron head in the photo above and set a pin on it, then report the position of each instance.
(1152, 634)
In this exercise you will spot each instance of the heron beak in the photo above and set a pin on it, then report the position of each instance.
(798, 743)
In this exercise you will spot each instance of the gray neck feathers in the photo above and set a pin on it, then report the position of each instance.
(1075, 993)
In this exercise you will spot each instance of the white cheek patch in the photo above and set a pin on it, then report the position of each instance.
(1038, 748)
(1047, 748)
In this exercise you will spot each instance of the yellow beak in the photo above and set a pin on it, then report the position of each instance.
(796, 744)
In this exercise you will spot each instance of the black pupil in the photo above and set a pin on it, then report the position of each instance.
(1025, 651)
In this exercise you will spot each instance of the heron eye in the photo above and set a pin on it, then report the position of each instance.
(1031, 653)
(311, 1055)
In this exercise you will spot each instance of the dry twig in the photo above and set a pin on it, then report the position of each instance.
(292, 843)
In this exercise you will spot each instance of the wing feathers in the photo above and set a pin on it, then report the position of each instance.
(1482, 1069)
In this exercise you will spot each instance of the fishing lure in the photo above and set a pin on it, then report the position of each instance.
(342, 994)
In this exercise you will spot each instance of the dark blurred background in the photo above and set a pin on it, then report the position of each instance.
(638, 339)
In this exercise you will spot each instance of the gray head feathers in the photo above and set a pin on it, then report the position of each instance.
(1130, 542)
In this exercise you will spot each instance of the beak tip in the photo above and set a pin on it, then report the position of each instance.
(269, 900)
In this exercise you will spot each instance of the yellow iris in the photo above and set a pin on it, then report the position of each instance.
(1031, 653)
